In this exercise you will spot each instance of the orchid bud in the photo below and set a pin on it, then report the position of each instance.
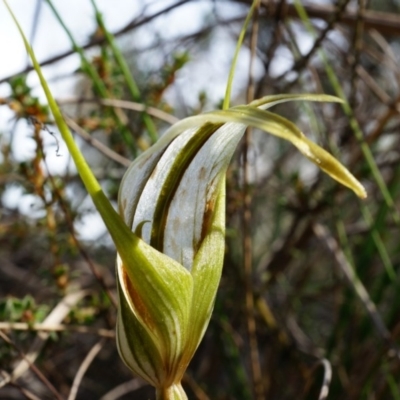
(173, 198)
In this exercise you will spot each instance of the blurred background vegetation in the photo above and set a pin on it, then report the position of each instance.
(310, 294)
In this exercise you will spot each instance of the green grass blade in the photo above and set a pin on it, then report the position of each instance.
(130, 82)
(86, 65)
(99, 86)
(353, 121)
(113, 221)
(236, 55)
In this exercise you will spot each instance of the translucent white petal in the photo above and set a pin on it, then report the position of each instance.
(192, 197)
(191, 201)
(155, 183)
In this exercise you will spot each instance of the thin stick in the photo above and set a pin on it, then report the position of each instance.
(196, 389)
(57, 314)
(247, 239)
(43, 327)
(101, 147)
(32, 366)
(123, 389)
(84, 367)
(71, 228)
(323, 394)
(128, 105)
(7, 379)
(322, 233)
(304, 60)
(384, 22)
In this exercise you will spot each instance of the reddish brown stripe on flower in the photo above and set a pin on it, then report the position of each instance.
(138, 303)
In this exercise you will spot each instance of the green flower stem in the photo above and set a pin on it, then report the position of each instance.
(174, 392)
(119, 231)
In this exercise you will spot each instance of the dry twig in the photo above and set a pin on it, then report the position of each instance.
(347, 270)
(84, 367)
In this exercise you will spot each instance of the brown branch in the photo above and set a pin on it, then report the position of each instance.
(101, 147)
(123, 389)
(128, 105)
(7, 378)
(255, 363)
(43, 327)
(99, 40)
(196, 389)
(84, 367)
(303, 61)
(385, 23)
(71, 228)
(329, 241)
(38, 373)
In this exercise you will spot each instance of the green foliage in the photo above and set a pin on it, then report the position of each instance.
(23, 103)
(22, 310)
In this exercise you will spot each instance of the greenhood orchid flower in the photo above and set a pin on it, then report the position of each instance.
(170, 230)
(173, 198)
